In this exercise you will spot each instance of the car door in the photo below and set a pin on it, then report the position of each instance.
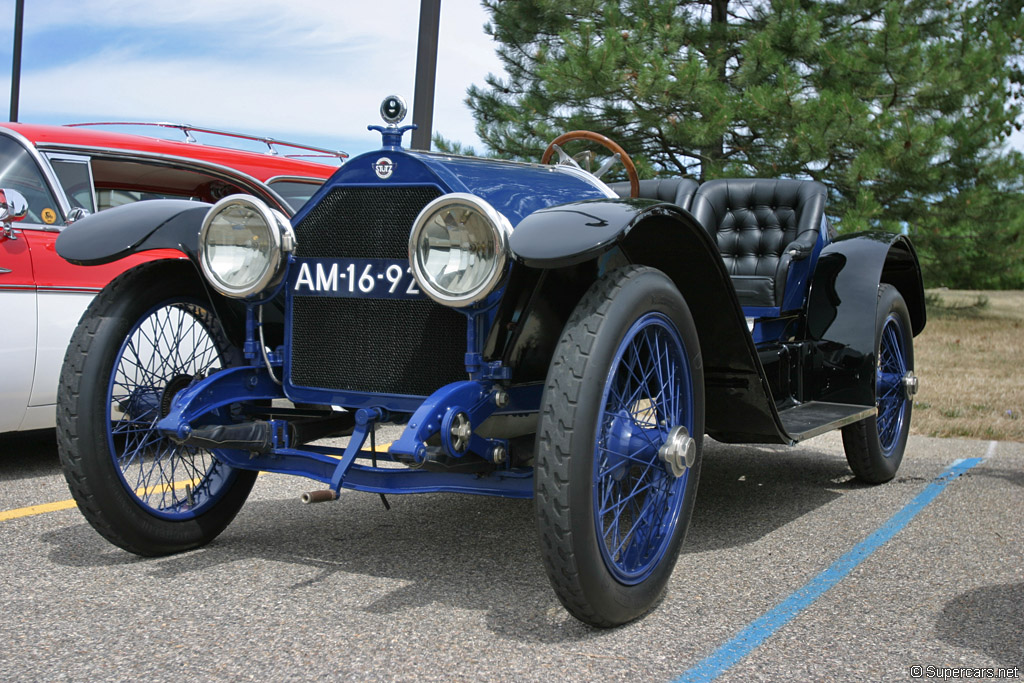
(18, 303)
(20, 171)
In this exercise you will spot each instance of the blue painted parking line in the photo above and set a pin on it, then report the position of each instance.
(751, 637)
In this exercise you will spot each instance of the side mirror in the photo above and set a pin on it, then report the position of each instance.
(13, 207)
(77, 214)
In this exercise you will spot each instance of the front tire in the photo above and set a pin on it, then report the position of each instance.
(145, 337)
(619, 446)
(874, 447)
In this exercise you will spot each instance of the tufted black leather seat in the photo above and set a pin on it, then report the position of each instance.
(761, 227)
(678, 191)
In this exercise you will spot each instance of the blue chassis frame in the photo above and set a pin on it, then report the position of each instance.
(339, 467)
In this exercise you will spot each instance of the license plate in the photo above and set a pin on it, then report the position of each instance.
(366, 278)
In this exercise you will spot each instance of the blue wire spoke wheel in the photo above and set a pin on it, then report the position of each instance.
(618, 446)
(890, 388)
(637, 498)
(170, 346)
(147, 336)
(875, 446)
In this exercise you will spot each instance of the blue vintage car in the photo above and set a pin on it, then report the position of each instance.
(538, 332)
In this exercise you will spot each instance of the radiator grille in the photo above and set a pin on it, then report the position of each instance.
(362, 222)
(390, 346)
(384, 346)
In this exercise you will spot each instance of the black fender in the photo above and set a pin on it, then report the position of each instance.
(841, 308)
(591, 236)
(162, 224)
(568, 234)
(132, 228)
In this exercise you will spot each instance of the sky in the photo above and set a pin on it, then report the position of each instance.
(308, 71)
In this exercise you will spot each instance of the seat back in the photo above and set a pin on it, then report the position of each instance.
(678, 191)
(760, 225)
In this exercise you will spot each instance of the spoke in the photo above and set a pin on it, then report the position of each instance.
(617, 506)
(639, 486)
(639, 522)
(146, 472)
(156, 362)
(640, 380)
(136, 444)
(135, 362)
(672, 397)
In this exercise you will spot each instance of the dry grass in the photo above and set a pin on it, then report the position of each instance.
(970, 359)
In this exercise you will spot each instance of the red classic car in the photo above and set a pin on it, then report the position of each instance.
(58, 174)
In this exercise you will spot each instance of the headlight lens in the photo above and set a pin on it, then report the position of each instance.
(458, 249)
(241, 243)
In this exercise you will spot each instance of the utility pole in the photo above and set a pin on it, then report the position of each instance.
(19, 19)
(426, 74)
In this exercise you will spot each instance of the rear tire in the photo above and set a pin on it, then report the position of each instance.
(874, 447)
(145, 337)
(611, 513)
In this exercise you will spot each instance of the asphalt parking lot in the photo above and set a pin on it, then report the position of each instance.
(790, 571)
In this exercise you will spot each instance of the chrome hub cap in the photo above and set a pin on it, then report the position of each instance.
(911, 384)
(678, 452)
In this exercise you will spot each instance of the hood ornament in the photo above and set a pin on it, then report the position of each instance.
(393, 110)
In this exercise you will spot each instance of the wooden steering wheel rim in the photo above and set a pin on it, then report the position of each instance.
(608, 143)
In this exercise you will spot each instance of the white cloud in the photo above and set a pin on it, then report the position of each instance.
(304, 69)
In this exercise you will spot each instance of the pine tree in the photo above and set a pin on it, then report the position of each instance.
(898, 107)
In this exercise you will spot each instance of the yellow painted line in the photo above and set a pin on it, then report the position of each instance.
(36, 510)
(33, 510)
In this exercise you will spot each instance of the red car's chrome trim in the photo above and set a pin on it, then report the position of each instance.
(71, 290)
(188, 130)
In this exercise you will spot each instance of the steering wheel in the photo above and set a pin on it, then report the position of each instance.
(618, 154)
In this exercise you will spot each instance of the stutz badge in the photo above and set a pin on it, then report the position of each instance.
(383, 167)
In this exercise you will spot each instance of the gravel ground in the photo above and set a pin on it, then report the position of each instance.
(449, 587)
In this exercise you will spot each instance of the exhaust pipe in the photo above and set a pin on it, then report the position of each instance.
(321, 496)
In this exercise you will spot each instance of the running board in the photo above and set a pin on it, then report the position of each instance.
(817, 417)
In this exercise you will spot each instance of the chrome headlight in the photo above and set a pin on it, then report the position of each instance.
(458, 249)
(241, 243)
